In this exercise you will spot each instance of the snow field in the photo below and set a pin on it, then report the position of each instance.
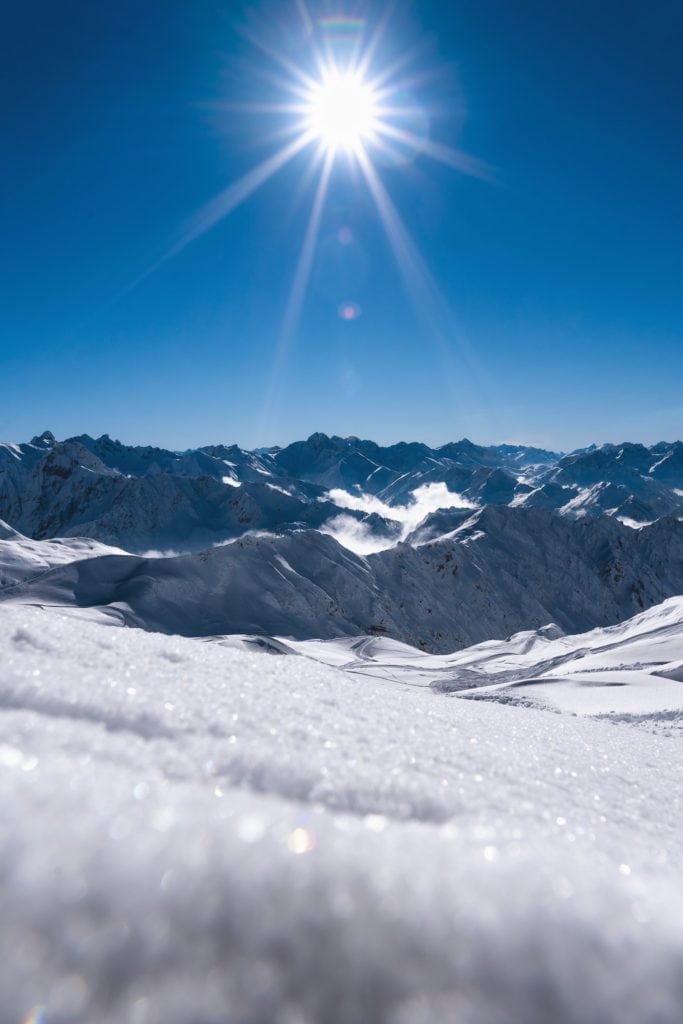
(197, 834)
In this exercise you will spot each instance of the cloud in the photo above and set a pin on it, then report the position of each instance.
(358, 536)
(165, 553)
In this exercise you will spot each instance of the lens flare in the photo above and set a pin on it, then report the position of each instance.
(35, 1016)
(349, 311)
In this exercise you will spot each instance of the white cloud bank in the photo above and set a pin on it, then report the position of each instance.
(358, 537)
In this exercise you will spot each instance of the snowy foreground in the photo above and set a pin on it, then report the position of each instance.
(200, 834)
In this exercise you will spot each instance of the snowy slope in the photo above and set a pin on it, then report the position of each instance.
(632, 671)
(196, 834)
(22, 559)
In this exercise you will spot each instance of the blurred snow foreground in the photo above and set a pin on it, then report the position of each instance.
(200, 834)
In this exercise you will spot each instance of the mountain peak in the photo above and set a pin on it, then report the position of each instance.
(43, 440)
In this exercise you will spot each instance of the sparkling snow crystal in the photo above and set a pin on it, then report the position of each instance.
(194, 833)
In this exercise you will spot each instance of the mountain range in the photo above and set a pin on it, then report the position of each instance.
(330, 537)
(144, 498)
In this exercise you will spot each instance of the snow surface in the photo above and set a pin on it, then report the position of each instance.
(201, 835)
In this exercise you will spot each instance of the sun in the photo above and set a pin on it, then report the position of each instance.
(340, 104)
(342, 111)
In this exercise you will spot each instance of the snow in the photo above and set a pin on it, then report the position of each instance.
(23, 559)
(634, 524)
(627, 694)
(632, 670)
(197, 833)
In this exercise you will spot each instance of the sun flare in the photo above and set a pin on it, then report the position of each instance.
(343, 107)
(342, 111)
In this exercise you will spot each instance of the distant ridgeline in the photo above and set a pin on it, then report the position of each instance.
(441, 547)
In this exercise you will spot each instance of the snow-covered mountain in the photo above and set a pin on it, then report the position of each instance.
(145, 498)
(500, 571)
(439, 548)
(23, 559)
(628, 481)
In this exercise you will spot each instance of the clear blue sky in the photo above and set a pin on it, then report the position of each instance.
(560, 271)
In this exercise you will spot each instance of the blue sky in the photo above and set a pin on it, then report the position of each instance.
(555, 313)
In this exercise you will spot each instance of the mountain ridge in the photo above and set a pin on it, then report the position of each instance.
(145, 497)
(335, 537)
(501, 571)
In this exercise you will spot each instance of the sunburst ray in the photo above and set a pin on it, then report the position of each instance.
(297, 291)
